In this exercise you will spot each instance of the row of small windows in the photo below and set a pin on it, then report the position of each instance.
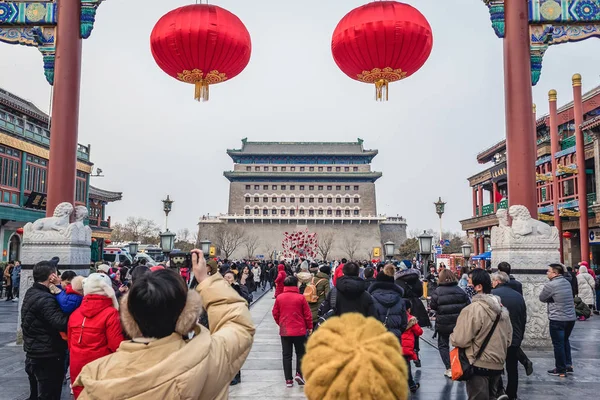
(301, 169)
(274, 211)
(302, 187)
(20, 122)
(338, 200)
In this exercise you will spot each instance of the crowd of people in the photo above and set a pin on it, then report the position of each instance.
(10, 281)
(136, 332)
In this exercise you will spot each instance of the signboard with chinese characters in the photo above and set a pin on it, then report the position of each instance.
(376, 252)
(36, 201)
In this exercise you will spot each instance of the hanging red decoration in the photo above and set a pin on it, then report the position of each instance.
(20, 231)
(382, 42)
(107, 241)
(498, 196)
(567, 235)
(201, 44)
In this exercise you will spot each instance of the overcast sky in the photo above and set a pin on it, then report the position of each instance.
(152, 139)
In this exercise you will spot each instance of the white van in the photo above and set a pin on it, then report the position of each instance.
(149, 260)
(116, 255)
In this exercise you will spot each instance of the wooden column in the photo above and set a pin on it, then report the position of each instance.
(581, 177)
(476, 243)
(494, 191)
(480, 195)
(518, 100)
(554, 146)
(65, 106)
(474, 201)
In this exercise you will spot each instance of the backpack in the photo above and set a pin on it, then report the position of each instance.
(310, 291)
(332, 311)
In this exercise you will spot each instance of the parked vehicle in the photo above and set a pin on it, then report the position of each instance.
(116, 255)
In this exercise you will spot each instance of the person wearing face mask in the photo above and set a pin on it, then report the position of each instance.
(42, 320)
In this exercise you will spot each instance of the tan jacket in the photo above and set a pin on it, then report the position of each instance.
(171, 368)
(473, 325)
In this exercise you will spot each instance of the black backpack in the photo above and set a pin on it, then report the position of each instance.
(332, 311)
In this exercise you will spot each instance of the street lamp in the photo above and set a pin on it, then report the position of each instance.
(439, 209)
(167, 206)
(167, 241)
(466, 253)
(425, 241)
(389, 249)
(133, 249)
(205, 247)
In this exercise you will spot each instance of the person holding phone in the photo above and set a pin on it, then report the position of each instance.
(160, 314)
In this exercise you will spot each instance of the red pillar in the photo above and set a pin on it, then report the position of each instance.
(554, 145)
(480, 195)
(476, 243)
(534, 135)
(518, 101)
(494, 191)
(65, 106)
(475, 201)
(482, 243)
(581, 177)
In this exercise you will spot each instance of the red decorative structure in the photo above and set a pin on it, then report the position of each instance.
(201, 44)
(299, 244)
(20, 231)
(554, 148)
(581, 174)
(567, 235)
(382, 42)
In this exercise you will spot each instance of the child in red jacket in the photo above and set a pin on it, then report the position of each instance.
(94, 329)
(412, 331)
(292, 313)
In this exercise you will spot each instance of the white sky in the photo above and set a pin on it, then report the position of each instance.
(152, 139)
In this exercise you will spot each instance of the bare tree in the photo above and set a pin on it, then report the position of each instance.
(227, 238)
(251, 244)
(350, 246)
(183, 235)
(136, 229)
(325, 244)
(270, 249)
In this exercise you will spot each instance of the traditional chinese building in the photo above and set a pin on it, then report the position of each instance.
(329, 188)
(489, 187)
(24, 157)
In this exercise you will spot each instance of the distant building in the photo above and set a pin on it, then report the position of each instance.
(329, 188)
(24, 155)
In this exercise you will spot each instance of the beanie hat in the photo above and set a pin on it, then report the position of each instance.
(104, 268)
(77, 284)
(355, 358)
(100, 284)
(326, 269)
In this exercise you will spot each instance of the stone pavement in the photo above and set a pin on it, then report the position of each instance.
(262, 374)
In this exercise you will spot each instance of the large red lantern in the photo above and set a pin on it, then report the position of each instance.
(382, 42)
(201, 44)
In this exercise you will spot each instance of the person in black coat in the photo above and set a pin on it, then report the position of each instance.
(369, 272)
(515, 304)
(448, 300)
(351, 295)
(410, 281)
(389, 304)
(512, 283)
(572, 278)
(42, 320)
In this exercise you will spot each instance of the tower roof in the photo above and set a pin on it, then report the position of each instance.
(18, 103)
(302, 148)
(104, 195)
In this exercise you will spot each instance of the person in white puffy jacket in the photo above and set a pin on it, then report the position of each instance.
(586, 286)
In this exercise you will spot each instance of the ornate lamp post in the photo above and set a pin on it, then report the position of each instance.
(466, 252)
(389, 249)
(133, 249)
(167, 238)
(205, 247)
(425, 241)
(439, 209)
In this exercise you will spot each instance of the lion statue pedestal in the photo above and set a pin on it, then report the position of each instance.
(529, 246)
(52, 237)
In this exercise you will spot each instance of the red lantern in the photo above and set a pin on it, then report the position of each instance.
(201, 44)
(107, 241)
(567, 235)
(382, 42)
(20, 231)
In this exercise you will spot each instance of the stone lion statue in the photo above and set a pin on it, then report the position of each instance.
(81, 213)
(58, 222)
(524, 225)
(502, 215)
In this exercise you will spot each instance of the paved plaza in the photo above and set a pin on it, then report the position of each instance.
(262, 375)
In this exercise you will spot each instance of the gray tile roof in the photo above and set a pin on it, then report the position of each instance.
(302, 148)
(22, 105)
(106, 195)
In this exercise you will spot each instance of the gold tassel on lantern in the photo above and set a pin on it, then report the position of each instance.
(381, 90)
(201, 90)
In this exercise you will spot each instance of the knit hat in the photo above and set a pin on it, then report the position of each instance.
(354, 358)
(77, 284)
(326, 269)
(100, 284)
(406, 272)
(104, 268)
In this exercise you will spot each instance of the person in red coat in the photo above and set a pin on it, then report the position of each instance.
(94, 329)
(279, 280)
(412, 331)
(292, 313)
(339, 271)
